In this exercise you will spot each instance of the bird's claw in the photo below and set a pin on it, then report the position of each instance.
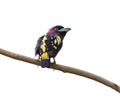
(54, 62)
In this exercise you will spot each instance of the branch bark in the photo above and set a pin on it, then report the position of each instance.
(63, 68)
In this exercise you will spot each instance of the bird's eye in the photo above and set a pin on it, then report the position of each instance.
(56, 29)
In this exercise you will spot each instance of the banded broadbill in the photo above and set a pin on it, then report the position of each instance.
(50, 44)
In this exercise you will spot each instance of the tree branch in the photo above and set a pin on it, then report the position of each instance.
(63, 68)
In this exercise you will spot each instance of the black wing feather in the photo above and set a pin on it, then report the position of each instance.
(50, 46)
(37, 48)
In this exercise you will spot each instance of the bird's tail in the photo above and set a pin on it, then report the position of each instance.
(45, 60)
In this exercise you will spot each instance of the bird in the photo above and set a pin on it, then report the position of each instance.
(50, 44)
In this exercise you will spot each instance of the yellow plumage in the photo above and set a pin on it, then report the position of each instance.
(43, 46)
(58, 40)
(55, 41)
(45, 56)
(45, 38)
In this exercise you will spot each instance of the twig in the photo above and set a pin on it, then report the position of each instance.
(63, 68)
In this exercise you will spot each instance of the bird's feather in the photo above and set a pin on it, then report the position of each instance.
(48, 46)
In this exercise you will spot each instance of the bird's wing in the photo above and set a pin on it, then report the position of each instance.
(37, 48)
(54, 45)
(50, 44)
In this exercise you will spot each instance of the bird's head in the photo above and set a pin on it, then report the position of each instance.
(58, 29)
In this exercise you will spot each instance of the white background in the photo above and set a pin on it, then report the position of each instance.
(93, 45)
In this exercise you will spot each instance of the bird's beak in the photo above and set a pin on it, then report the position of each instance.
(64, 29)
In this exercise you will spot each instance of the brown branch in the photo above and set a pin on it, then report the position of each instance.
(63, 68)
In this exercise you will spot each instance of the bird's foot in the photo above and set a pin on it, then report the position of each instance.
(54, 62)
